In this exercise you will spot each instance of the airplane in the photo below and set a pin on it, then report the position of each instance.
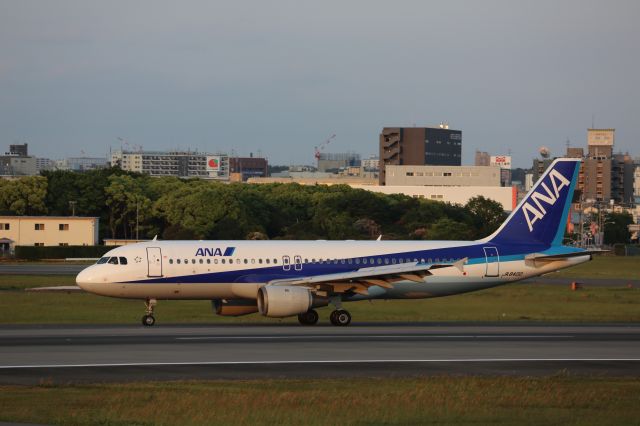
(288, 278)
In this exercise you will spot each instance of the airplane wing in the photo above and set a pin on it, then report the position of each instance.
(359, 281)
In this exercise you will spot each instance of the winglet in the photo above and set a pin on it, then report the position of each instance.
(155, 238)
(379, 238)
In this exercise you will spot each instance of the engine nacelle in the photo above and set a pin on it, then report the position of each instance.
(234, 307)
(284, 301)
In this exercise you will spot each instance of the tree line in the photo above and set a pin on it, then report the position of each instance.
(131, 204)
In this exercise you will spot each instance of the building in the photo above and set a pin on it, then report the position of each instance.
(597, 165)
(21, 150)
(371, 164)
(45, 164)
(504, 162)
(47, 231)
(14, 165)
(482, 158)
(317, 179)
(82, 164)
(622, 178)
(443, 175)
(506, 196)
(332, 162)
(246, 167)
(419, 146)
(183, 164)
(636, 184)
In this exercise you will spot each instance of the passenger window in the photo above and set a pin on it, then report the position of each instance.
(260, 261)
(246, 261)
(178, 261)
(275, 260)
(193, 261)
(253, 261)
(386, 260)
(123, 260)
(113, 260)
(379, 261)
(186, 261)
(102, 260)
(267, 260)
(201, 261)
(238, 261)
(208, 261)
(215, 261)
(223, 261)
(170, 261)
(393, 260)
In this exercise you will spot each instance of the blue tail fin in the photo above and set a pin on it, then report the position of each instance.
(541, 216)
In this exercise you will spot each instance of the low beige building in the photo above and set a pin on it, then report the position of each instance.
(47, 231)
(442, 175)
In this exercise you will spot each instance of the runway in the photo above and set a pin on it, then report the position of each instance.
(31, 354)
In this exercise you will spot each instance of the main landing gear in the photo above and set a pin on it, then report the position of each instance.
(339, 317)
(148, 319)
(308, 318)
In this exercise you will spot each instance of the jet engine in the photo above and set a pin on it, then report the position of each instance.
(234, 308)
(284, 301)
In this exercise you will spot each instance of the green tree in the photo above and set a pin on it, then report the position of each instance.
(127, 205)
(23, 196)
(616, 228)
(487, 214)
(448, 229)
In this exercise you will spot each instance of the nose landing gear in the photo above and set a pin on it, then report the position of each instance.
(148, 319)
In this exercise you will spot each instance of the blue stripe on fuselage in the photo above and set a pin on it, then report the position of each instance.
(263, 274)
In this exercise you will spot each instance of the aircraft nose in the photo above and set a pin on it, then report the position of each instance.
(86, 279)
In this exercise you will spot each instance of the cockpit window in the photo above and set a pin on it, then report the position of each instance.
(113, 260)
(102, 260)
(123, 260)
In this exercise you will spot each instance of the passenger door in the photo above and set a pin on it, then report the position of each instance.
(493, 261)
(154, 262)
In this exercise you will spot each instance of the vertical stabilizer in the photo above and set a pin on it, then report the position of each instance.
(541, 216)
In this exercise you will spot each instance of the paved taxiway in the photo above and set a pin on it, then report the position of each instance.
(29, 354)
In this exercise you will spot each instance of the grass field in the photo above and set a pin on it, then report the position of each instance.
(434, 400)
(514, 302)
(605, 267)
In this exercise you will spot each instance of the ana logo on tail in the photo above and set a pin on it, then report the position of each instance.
(533, 214)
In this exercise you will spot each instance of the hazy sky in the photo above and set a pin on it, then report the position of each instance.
(282, 76)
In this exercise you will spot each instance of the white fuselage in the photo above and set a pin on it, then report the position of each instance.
(237, 269)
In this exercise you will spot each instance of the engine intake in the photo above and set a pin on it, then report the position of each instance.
(284, 301)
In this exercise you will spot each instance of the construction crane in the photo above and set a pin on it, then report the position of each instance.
(319, 148)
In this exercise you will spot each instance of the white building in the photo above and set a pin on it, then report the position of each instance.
(17, 165)
(371, 164)
(506, 196)
(177, 163)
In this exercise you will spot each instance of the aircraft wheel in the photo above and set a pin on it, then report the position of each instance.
(308, 318)
(148, 320)
(340, 317)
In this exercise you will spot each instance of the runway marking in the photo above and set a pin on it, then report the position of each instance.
(378, 336)
(354, 361)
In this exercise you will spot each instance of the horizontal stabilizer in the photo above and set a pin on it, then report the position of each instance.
(552, 257)
(57, 289)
